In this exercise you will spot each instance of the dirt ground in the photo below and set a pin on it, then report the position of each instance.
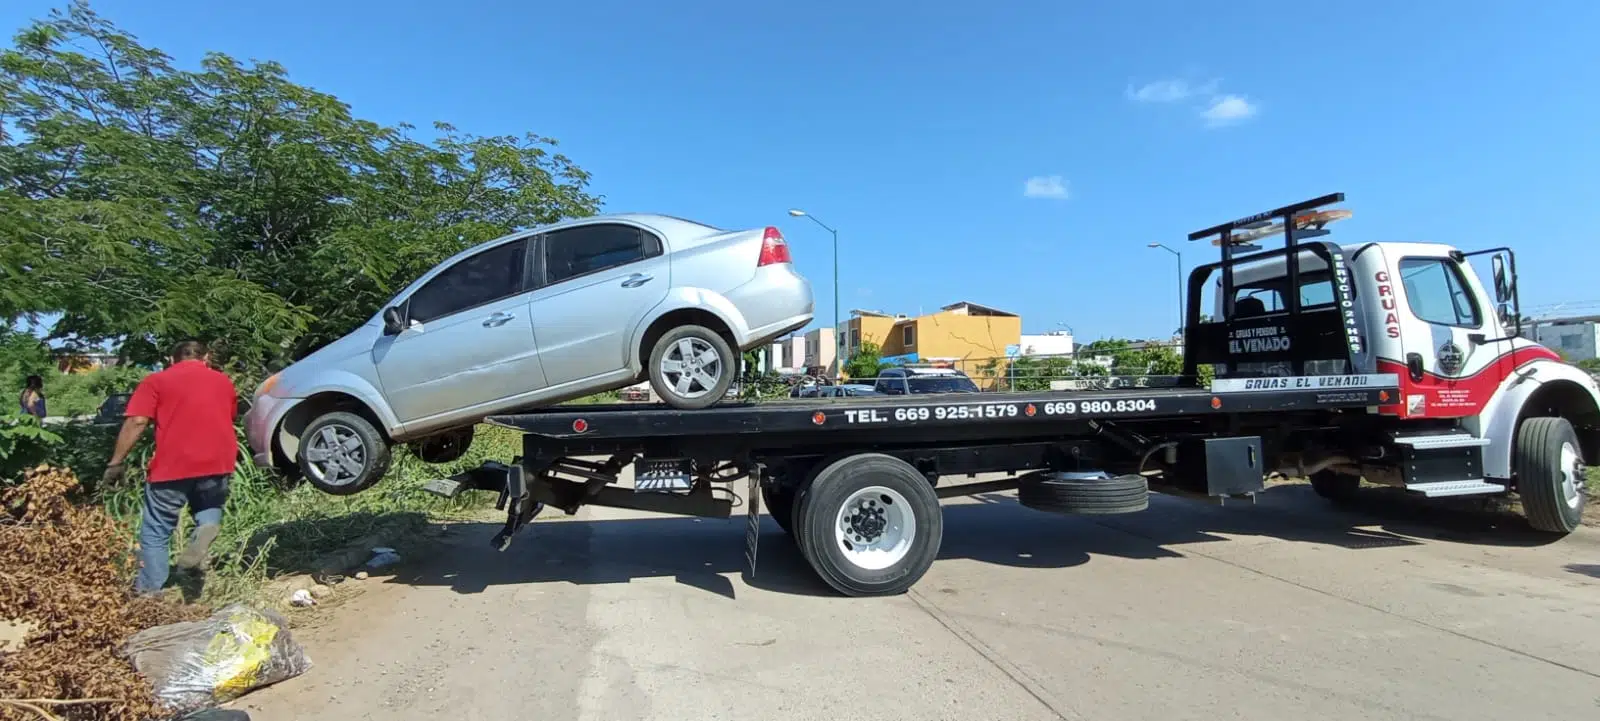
(1288, 609)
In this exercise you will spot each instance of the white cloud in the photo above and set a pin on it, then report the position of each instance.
(1227, 110)
(1169, 91)
(1045, 186)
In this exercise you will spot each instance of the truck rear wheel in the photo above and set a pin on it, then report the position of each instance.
(780, 505)
(1550, 474)
(870, 525)
(1337, 487)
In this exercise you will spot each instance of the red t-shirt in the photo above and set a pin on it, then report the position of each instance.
(193, 407)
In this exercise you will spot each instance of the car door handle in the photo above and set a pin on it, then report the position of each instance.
(498, 319)
(636, 280)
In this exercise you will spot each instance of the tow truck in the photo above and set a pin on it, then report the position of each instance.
(1387, 362)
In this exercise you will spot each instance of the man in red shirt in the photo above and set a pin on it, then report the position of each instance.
(193, 408)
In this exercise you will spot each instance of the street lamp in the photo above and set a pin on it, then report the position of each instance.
(1181, 317)
(838, 338)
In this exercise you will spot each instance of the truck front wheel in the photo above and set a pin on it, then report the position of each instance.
(1550, 474)
(870, 525)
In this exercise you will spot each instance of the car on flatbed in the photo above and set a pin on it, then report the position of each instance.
(1384, 362)
(527, 320)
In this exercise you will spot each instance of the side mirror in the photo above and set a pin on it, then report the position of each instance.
(392, 322)
(1502, 284)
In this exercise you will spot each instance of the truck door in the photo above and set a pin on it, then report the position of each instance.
(1450, 341)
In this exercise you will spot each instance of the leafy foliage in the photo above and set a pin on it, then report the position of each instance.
(148, 203)
(866, 362)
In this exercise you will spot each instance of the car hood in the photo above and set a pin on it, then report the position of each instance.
(334, 355)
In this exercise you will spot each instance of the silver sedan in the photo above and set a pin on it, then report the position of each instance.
(530, 319)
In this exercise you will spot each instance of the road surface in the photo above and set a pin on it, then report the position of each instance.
(1289, 610)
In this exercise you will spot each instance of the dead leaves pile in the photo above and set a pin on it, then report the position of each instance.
(66, 572)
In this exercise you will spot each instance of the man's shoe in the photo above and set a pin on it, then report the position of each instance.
(194, 556)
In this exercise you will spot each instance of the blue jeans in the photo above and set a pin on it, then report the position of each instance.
(163, 505)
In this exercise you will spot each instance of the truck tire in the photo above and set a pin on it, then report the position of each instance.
(780, 505)
(710, 370)
(1055, 493)
(1550, 474)
(342, 454)
(870, 525)
(1334, 486)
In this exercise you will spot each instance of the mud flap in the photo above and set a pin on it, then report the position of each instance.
(752, 528)
(518, 504)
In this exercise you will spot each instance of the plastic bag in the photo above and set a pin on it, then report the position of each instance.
(199, 664)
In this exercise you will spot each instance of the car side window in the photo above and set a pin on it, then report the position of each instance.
(477, 279)
(579, 251)
(1436, 292)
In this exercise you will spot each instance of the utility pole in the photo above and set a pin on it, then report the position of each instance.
(838, 337)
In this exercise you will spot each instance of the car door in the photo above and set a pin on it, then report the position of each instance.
(1451, 375)
(599, 280)
(469, 339)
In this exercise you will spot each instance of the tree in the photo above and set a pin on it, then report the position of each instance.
(865, 362)
(147, 203)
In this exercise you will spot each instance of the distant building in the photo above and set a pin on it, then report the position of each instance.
(84, 362)
(960, 334)
(822, 350)
(1058, 343)
(1577, 340)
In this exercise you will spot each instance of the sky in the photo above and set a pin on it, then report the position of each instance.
(1017, 154)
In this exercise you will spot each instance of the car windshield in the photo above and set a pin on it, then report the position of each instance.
(942, 384)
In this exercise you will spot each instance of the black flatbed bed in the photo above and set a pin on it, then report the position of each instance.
(1004, 412)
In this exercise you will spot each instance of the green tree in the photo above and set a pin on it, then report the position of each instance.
(146, 203)
(865, 363)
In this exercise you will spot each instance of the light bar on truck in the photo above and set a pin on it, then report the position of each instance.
(1260, 220)
(1316, 220)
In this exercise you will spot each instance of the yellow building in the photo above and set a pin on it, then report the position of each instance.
(964, 335)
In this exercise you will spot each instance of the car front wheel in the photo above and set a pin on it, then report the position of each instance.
(342, 453)
(691, 367)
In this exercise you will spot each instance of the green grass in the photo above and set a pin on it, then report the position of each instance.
(271, 529)
(1593, 480)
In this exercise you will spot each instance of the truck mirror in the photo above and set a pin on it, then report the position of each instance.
(392, 322)
(1502, 285)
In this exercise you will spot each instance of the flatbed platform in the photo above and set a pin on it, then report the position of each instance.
(945, 411)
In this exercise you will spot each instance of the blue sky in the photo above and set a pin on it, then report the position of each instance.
(1016, 154)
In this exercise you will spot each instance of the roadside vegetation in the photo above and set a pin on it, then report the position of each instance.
(146, 199)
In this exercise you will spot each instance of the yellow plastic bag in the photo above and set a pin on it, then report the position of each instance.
(203, 663)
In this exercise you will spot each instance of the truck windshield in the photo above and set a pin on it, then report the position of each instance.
(942, 384)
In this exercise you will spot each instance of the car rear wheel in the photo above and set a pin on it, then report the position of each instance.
(691, 367)
(444, 447)
(342, 454)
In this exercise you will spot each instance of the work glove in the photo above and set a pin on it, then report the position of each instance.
(113, 474)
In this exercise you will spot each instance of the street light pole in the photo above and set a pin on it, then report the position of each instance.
(1181, 317)
(838, 338)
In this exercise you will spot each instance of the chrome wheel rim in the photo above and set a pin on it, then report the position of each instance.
(335, 455)
(692, 368)
(1572, 476)
(875, 528)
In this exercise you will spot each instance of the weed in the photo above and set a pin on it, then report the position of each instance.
(270, 530)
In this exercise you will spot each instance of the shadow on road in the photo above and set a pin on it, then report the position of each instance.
(1591, 570)
(705, 553)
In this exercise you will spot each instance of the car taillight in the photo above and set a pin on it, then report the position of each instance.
(774, 249)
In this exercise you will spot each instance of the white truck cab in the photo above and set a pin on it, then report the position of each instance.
(1480, 410)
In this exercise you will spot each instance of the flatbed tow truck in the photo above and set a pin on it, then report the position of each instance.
(1387, 362)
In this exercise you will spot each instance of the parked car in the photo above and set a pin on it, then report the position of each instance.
(527, 320)
(904, 381)
(846, 390)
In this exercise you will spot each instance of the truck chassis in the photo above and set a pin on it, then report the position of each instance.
(856, 482)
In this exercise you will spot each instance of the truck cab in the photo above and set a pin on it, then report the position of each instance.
(1468, 381)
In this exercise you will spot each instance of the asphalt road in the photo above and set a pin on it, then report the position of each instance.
(1288, 610)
